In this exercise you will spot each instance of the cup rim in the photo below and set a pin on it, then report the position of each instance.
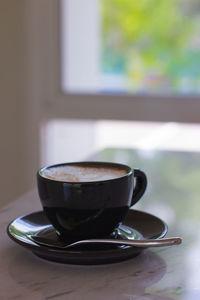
(123, 166)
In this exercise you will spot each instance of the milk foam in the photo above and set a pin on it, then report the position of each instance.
(76, 173)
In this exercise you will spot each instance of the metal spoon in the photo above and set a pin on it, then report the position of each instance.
(136, 243)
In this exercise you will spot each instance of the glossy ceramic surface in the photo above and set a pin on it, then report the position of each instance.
(37, 224)
(78, 209)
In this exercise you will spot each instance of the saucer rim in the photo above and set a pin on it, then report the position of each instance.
(85, 257)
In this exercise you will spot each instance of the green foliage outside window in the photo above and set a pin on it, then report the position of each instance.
(155, 44)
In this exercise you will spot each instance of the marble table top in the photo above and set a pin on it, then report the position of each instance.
(164, 273)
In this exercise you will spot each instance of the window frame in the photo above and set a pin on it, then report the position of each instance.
(44, 31)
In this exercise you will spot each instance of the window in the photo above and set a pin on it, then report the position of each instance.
(49, 102)
(148, 46)
(45, 40)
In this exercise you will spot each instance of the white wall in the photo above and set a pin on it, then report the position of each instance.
(15, 150)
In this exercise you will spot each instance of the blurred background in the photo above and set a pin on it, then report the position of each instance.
(79, 76)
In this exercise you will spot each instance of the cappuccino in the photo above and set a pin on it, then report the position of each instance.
(80, 173)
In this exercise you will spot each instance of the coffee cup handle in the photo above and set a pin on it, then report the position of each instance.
(140, 186)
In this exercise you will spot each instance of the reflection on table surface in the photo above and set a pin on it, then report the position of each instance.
(165, 273)
(173, 194)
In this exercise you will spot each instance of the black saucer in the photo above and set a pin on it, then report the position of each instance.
(37, 224)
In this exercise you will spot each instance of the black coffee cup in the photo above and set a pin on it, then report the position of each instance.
(81, 208)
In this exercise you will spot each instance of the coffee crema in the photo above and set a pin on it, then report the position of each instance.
(87, 173)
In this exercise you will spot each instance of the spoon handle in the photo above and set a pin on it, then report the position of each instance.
(137, 243)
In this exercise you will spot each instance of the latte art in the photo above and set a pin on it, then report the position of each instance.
(76, 173)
